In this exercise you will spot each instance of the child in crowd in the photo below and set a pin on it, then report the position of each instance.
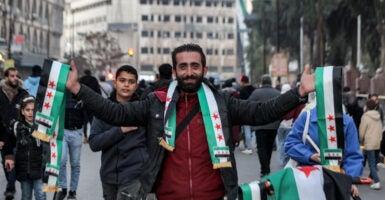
(28, 156)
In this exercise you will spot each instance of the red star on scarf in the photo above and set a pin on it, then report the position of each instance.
(53, 144)
(52, 84)
(330, 117)
(215, 116)
(220, 137)
(168, 99)
(217, 126)
(307, 170)
(331, 128)
(54, 134)
(53, 155)
(49, 94)
(332, 139)
(46, 105)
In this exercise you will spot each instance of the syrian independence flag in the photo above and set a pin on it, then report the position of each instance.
(307, 182)
(50, 112)
(329, 112)
(301, 183)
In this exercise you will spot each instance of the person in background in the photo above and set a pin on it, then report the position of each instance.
(165, 77)
(11, 93)
(91, 82)
(186, 170)
(31, 84)
(378, 107)
(285, 127)
(105, 88)
(72, 147)
(28, 156)
(123, 147)
(370, 137)
(265, 134)
(244, 92)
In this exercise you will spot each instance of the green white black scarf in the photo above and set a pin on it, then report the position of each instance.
(219, 152)
(329, 112)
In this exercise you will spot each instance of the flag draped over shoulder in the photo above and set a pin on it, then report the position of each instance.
(330, 118)
(50, 112)
(307, 182)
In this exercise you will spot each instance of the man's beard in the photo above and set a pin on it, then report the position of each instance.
(190, 87)
(13, 85)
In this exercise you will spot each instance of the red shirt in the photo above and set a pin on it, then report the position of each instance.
(188, 172)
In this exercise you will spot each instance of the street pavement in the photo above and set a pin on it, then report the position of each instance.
(248, 170)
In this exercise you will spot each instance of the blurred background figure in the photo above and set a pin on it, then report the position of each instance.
(31, 84)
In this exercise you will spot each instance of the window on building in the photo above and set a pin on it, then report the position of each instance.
(227, 69)
(178, 34)
(230, 36)
(184, 18)
(166, 18)
(210, 35)
(144, 50)
(176, 2)
(178, 18)
(41, 10)
(191, 35)
(199, 35)
(144, 18)
(216, 51)
(209, 51)
(144, 33)
(184, 35)
(159, 50)
(199, 19)
(230, 52)
(150, 1)
(41, 41)
(152, 34)
(152, 18)
(166, 50)
(165, 2)
(34, 11)
(191, 19)
(143, 1)
(229, 4)
(152, 50)
(210, 19)
(166, 34)
(213, 69)
(208, 3)
(197, 2)
(231, 20)
(147, 68)
(223, 52)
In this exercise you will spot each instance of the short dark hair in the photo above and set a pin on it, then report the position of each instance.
(372, 95)
(102, 78)
(36, 70)
(188, 47)
(6, 73)
(266, 79)
(87, 72)
(244, 79)
(127, 68)
(370, 104)
(165, 71)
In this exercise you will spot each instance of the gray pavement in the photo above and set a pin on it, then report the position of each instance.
(248, 170)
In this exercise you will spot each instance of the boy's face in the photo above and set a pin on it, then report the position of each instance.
(125, 85)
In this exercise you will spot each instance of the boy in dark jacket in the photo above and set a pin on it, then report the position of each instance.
(123, 147)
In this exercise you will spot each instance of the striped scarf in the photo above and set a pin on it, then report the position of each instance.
(330, 118)
(50, 117)
(219, 152)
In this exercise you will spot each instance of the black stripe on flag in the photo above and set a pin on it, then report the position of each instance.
(337, 92)
(43, 84)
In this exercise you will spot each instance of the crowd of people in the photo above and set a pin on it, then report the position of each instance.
(175, 138)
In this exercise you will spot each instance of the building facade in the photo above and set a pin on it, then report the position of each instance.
(30, 30)
(151, 29)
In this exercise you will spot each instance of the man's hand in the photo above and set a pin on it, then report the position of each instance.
(9, 165)
(355, 191)
(1, 145)
(73, 84)
(307, 82)
(126, 129)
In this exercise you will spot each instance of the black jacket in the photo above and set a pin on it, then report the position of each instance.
(9, 111)
(123, 154)
(28, 157)
(150, 111)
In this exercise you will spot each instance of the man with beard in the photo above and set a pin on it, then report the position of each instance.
(189, 128)
(11, 94)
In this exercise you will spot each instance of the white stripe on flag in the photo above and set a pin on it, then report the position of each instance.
(255, 190)
(329, 106)
(309, 183)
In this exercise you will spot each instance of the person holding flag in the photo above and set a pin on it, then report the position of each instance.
(332, 138)
(189, 127)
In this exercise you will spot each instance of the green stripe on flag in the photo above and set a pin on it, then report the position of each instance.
(208, 123)
(322, 135)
